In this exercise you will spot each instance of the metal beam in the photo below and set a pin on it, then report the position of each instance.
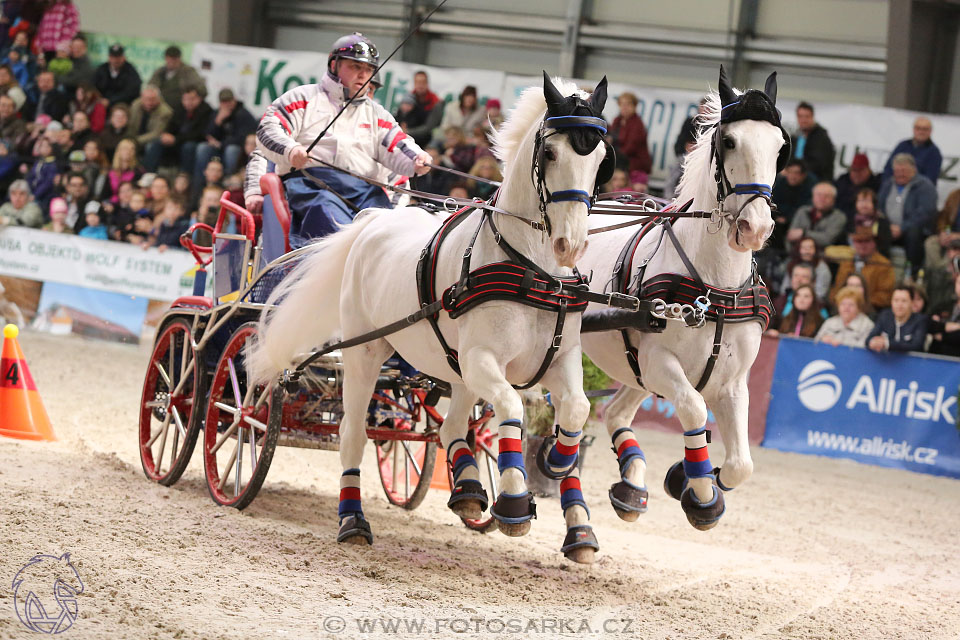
(746, 28)
(571, 36)
(418, 46)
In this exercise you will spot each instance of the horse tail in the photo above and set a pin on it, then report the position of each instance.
(303, 311)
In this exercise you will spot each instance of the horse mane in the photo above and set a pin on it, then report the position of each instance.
(696, 166)
(526, 114)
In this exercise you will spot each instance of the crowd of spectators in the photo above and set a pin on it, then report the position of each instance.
(98, 152)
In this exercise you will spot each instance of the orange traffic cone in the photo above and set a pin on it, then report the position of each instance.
(21, 411)
(440, 479)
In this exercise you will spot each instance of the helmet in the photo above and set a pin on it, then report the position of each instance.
(355, 46)
(376, 80)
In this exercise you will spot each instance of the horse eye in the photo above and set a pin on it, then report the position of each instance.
(550, 154)
(729, 143)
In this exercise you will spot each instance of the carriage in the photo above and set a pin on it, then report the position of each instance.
(196, 385)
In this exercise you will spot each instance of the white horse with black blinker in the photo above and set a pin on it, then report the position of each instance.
(749, 145)
(368, 271)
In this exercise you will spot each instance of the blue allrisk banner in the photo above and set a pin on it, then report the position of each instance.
(886, 409)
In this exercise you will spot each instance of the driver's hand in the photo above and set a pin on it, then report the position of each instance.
(421, 162)
(254, 203)
(298, 157)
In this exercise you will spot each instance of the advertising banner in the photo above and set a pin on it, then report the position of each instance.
(96, 264)
(889, 409)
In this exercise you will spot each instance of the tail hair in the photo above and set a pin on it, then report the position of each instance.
(303, 311)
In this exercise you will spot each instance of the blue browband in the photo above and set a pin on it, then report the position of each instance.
(567, 122)
(572, 195)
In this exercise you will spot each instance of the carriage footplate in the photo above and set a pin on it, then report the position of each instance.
(514, 509)
(642, 320)
(469, 490)
(354, 528)
(577, 537)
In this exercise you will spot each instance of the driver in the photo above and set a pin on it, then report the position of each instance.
(365, 139)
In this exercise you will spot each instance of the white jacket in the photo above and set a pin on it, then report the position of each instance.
(363, 138)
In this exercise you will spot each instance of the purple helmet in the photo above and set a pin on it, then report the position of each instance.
(355, 46)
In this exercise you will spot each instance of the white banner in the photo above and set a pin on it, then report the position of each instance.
(259, 76)
(97, 264)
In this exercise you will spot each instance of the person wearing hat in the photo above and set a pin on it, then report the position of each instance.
(175, 76)
(225, 135)
(364, 138)
(58, 218)
(12, 125)
(876, 270)
(94, 228)
(848, 185)
(116, 79)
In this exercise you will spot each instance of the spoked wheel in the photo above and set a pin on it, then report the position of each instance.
(239, 436)
(406, 466)
(169, 416)
(483, 442)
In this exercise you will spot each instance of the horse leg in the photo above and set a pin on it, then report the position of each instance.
(557, 457)
(629, 496)
(514, 507)
(699, 496)
(731, 410)
(361, 367)
(468, 498)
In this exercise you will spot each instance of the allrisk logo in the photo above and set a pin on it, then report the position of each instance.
(817, 388)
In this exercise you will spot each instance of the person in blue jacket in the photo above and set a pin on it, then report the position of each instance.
(909, 200)
(921, 147)
(899, 328)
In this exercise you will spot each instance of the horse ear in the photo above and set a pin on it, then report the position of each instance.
(727, 95)
(770, 88)
(599, 96)
(550, 93)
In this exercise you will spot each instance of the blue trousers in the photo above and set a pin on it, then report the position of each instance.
(317, 212)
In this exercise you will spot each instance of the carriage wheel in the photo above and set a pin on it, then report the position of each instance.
(240, 434)
(169, 416)
(406, 466)
(483, 443)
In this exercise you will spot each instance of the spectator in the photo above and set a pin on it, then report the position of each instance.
(688, 130)
(945, 326)
(184, 133)
(12, 125)
(821, 221)
(170, 225)
(485, 167)
(867, 215)
(801, 274)
(83, 71)
(124, 169)
(60, 23)
(21, 66)
(116, 79)
(41, 177)
(459, 190)
(812, 144)
(181, 185)
(457, 154)
(804, 318)
(88, 100)
(877, 271)
(122, 215)
(808, 252)
(919, 301)
(115, 129)
(10, 87)
(80, 131)
(206, 212)
(226, 135)
(426, 113)
(433, 182)
(857, 282)
(174, 77)
(494, 116)
(948, 230)
(675, 173)
(149, 117)
(212, 177)
(159, 194)
(619, 181)
(909, 201)
(94, 227)
(95, 168)
(939, 279)
(58, 217)
(21, 211)
(792, 189)
(9, 166)
(61, 65)
(629, 138)
(76, 196)
(925, 153)
(899, 328)
(851, 326)
(850, 184)
(50, 100)
(465, 113)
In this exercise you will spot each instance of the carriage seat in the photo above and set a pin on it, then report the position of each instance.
(276, 218)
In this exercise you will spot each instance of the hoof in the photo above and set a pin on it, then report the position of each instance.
(468, 500)
(703, 516)
(628, 500)
(468, 509)
(543, 465)
(514, 530)
(514, 513)
(580, 545)
(675, 481)
(355, 530)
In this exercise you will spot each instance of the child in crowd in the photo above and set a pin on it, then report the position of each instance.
(121, 216)
(95, 228)
(61, 65)
(42, 175)
(139, 232)
(181, 185)
(170, 225)
(58, 217)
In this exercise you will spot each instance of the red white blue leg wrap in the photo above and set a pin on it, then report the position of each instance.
(350, 494)
(696, 458)
(510, 455)
(626, 447)
(563, 455)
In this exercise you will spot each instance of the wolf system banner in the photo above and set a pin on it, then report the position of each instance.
(888, 409)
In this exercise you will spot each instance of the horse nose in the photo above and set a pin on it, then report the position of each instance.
(561, 246)
(743, 226)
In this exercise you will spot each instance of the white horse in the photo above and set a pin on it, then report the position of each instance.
(749, 144)
(369, 269)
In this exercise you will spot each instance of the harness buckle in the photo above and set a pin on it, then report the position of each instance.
(468, 253)
(716, 218)
(557, 339)
(496, 237)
